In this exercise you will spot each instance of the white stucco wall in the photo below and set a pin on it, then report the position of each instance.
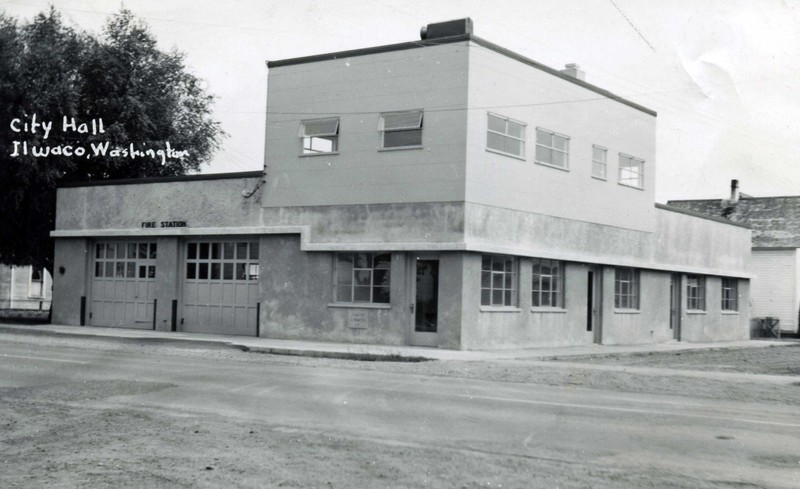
(357, 90)
(508, 87)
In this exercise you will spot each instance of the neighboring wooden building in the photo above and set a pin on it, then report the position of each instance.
(775, 223)
(25, 287)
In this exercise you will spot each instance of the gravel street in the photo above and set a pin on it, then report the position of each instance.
(78, 412)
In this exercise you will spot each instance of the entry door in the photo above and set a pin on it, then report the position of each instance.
(425, 308)
(675, 306)
(594, 303)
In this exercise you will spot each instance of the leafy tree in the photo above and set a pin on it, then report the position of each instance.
(145, 97)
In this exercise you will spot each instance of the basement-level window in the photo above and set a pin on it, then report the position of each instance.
(730, 294)
(505, 136)
(401, 129)
(631, 171)
(626, 288)
(320, 136)
(362, 277)
(499, 280)
(695, 293)
(548, 283)
(552, 149)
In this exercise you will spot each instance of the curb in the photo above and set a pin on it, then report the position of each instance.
(121, 339)
(338, 355)
(222, 344)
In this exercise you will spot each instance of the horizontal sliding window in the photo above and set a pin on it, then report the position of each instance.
(506, 136)
(552, 149)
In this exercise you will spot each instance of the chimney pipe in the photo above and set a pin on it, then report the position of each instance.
(734, 191)
(575, 71)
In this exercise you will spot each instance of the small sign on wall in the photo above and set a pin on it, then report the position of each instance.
(357, 319)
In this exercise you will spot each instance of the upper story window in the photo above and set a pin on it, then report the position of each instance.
(499, 280)
(548, 283)
(599, 162)
(695, 292)
(730, 294)
(626, 288)
(631, 171)
(362, 277)
(552, 149)
(505, 136)
(320, 136)
(401, 129)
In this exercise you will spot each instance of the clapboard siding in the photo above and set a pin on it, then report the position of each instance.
(774, 290)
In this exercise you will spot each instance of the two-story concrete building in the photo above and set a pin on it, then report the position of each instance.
(443, 192)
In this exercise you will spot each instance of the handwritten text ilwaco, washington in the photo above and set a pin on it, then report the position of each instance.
(94, 149)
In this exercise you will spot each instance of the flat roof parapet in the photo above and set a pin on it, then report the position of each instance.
(179, 178)
(452, 32)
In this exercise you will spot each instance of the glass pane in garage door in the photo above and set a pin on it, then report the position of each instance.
(220, 290)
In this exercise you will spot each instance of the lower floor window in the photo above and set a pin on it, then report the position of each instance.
(362, 277)
(696, 292)
(548, 283)
(499, 280)
(626, 288)
(730, 294)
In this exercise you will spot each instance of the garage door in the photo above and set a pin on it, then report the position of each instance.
(220, 291)
(123, 285)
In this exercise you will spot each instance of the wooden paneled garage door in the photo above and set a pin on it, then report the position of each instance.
(123, 284)
(220, 289)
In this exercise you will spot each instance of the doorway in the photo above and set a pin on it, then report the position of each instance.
(594, 303)
(425, 301)
(675, 306)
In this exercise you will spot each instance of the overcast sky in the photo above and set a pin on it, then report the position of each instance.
(722, 75)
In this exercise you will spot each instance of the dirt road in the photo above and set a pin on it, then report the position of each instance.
(101, 413)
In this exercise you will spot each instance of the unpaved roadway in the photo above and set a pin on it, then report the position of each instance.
(95, 413)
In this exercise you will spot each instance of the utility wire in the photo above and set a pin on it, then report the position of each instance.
(631, 24)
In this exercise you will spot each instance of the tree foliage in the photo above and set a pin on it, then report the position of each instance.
(144, 96)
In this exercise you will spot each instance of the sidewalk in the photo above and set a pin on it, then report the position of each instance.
(367, 352)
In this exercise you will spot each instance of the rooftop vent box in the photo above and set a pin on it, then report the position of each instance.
(446, 29)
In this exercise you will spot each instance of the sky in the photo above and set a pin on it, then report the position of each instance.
(724, 75)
